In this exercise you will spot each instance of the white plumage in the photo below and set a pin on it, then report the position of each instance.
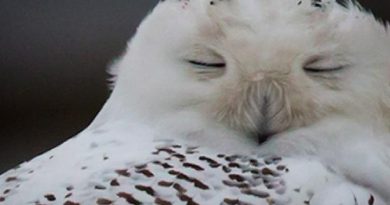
(114, 168)
(201, 82)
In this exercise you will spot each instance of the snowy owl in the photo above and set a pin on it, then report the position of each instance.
(232, 102)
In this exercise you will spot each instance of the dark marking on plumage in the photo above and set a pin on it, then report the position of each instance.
(281, 167)
(231, 201)
(50, 197)
(187, 199)
(266, 171)
(200, 184)
(149, 190)
(271, 185)
(214, 165)
(103, 201)
(184, 177)
(234, 165)
(179, 188)
(71, 203)
(166, 150)
(100, 187)
(189, 179)
(254, 162)
(230, 158)
(371, 201)
(235, 184)
(68, 195)
(208, 160)
(145, 172)
(355, 199)
(317, 3)
(160, 201)
(226, 169)
(255, 171)
(123, 172)
(220, 155)
(236, 177)
(173, 172)
(11, 179)
(165, 165)
(228, 201)
(272, 160)
(165, 183)
(114, 182)
(193, 166)
(129, 198)
(248, 174)
(179, 156)
(141, 166)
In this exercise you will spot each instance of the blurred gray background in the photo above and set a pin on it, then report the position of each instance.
(53, 60)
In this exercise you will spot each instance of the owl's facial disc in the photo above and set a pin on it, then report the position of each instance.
(257, 67)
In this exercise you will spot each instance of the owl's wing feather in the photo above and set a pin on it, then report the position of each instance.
(127, 165)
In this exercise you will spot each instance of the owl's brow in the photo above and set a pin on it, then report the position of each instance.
(225, 17)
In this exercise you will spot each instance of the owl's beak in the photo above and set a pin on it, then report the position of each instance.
(263, 137)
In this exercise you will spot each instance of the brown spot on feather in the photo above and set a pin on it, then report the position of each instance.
(114, 182)
(129, 198)
(145, 172)
(50, 197)
(123, 172)
(11, 179)
(71, 203)
(207, 159)
(193, 166)
(149, 190)
(160, 201)
(103, 201)
(179, 188)
(68, 195)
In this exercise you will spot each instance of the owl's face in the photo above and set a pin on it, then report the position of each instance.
(259, 67)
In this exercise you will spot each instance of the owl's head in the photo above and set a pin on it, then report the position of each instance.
(257, 67)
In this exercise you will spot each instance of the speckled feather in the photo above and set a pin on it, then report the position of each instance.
(95, 169)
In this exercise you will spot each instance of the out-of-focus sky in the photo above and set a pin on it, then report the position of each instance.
(53, 60)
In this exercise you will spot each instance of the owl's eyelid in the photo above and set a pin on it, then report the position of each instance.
(323, 65)
(207, 64)
(323, 70)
